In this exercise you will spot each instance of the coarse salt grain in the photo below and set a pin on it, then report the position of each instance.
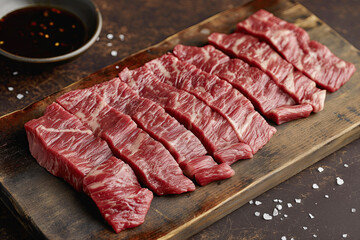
(297, 200)
(110, 36)
(117, 67)
(276, 200)
(257, 203)
(315, 186)
(345, 165)
(275, 212)
(311, 216)
(305, 228)
(320, 169)
(114, 53)
(326, 196)
(257, 214)
(267, 216)
(339, 181)
(251, 201)
(344, 235)
(289, 205)
(15, 73)
(109, 44)
(19, 96)
(27, 92)
(314, 235)
(10, 89)
(279, 207)
(122, 37)
(283, 238)
(353, 210)
(285, 215)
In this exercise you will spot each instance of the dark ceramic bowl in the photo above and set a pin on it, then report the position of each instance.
(86, 10)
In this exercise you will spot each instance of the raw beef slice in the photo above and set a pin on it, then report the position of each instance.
(116, 191)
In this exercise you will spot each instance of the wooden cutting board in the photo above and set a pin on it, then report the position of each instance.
(49, 208)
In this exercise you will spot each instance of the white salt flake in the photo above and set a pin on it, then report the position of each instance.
(251, 201)
(315, 186)
(297, 200)
(15, 73)
(110, 36)
(27, 92)
(10, 89)
(257, 203)
(122, 37)
(320, 169)
(109, 44)
(285, 215)
(117, 67)
(345, 165)
(276, 200)
(275, 212)
(305, 228)
(205, 31)
(339, 181)
(19, 96)
(257, 214)
(311, 216)
(353, 210)
(326, 196)
(114, 53)
(314, 235)
(279, 207)
(289, 205)
(344, 235)
(267, 217)
(283, 238)
(280, 201)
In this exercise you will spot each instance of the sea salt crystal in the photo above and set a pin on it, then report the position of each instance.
(326, 196)
(345, 165)
(27, 92)
(257, 214)
(19, 96)
(353, 210)
(314, 235)
(344, 235)
(117, 67)
(280, 201)
(109, 44)
(10, 89)
(320, 169)
(15, 73)
(122, 37)
(276, 200)
(315, 186)
(311, 216)
(110, 36)
(305, 228)
(339, 181)
(257, 203)
(289, 205)
(114, 53)
(285, 215)
(267, 217)
(283, 238)
(279, 207)
(251, 201)
(297, 200)
(275, 212)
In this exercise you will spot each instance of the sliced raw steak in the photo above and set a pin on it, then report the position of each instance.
(309, 57)
(152, 118)
(116, 191)
(260, 54)
(256, 85)
(212, 129)
(152, 163)
(64, 146)
(182, 143)
(250, 126)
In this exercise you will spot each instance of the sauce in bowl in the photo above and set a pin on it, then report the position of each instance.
(41, 32)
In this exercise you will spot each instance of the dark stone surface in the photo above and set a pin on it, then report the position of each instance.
(144, 23)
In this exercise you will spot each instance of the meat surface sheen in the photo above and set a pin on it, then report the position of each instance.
(153, 164)
(256, 85)
(117, 193)
(211, 128)
(250, 127)
(310, 57)
(152, 118)
(260, 54)
(64, 146)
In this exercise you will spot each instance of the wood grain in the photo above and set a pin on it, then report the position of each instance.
(49, 208)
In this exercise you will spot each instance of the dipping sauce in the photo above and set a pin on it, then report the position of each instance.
(41, 32)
